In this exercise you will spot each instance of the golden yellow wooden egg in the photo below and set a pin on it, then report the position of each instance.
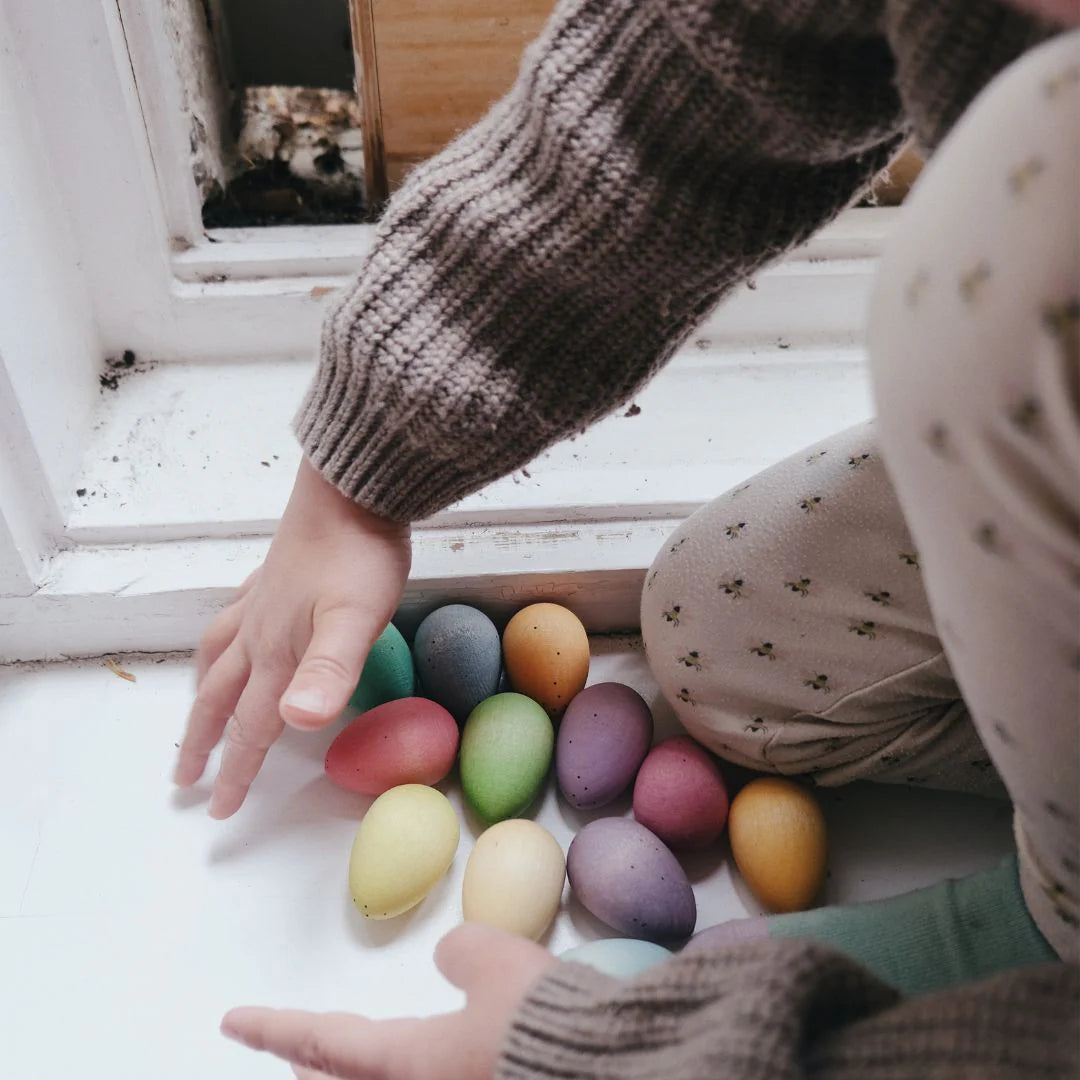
(777, 833)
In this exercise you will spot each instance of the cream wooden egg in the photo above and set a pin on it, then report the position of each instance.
(514, 878)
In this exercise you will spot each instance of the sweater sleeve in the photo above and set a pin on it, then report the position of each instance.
(529, 278)
(789, 1010)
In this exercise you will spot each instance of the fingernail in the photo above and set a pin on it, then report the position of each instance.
(309, 700)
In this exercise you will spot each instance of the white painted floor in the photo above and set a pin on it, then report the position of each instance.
(129, 921)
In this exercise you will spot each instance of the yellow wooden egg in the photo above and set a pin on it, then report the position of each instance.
(777, 834)
(405, 843)
(546, 652)
(514, 878)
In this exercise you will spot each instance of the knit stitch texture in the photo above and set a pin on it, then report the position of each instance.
(652, 155)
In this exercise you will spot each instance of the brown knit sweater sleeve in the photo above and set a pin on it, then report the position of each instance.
(652, 154)
(526, 280)
(791, 1010)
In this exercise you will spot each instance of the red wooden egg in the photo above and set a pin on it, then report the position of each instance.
(408, 741)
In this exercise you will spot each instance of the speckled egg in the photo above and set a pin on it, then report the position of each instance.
(408, 741)
(680, 795)
(603, 738)
(506, 750)
(621, 958)
(546, 651)
(405, 843)
(458, 658)
(388, 672)
(628, 879)
(514, 878)
(777, 833)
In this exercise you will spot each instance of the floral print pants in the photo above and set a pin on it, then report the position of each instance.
(901, 602)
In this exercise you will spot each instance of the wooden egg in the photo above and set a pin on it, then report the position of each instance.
(514, 878)
(388, 672)
(546, 652)
(777, 833)
(405, 843)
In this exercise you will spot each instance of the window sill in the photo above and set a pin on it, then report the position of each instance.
(190, 464)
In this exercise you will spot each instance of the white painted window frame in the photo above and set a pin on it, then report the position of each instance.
(102, 250)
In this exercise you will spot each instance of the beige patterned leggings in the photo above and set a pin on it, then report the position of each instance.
(902, 601)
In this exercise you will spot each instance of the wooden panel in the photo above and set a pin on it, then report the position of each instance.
(442, 63)
(893, 186)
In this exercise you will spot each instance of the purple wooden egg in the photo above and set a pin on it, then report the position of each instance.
(627, 878)
(604, 737)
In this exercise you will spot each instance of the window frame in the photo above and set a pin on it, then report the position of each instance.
(104, 251)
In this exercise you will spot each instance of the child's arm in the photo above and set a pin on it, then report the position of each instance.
(653, 154)
(778, 1009)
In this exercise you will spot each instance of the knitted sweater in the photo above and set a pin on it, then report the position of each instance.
(652, 155)
(791, 1010)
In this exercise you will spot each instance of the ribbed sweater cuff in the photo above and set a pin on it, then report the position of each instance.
(693, 1016)
(789, 1010)
(373, 461)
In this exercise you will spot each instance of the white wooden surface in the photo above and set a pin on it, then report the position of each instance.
(204, 460)
(188, 450)
(159, 597)
(48, 344)
(129, 922)
(103, 252)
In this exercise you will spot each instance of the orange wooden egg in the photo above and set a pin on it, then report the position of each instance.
(546, 653)
(777, 834)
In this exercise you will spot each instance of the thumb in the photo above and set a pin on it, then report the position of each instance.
(475, 957)
(330, 669)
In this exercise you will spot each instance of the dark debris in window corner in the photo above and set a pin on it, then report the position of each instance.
(118, 368)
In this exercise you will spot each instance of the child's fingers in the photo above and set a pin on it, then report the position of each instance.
(328, 673)
(217, 637)
(473, 956)
(255, 727)
(220, 690)
(338, 1044)
(245, 585)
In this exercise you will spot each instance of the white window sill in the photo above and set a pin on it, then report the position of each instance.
(165, 531)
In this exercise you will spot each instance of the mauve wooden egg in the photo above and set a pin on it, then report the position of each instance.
(628, 879)
(546, 651)
(408, 741)
(458, 658)
(604, 737)
(777, 834)
(680, 795)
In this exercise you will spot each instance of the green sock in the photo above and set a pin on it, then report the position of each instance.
(952, 932)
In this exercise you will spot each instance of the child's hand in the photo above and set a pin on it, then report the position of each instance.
(492, 967)
(291, 647)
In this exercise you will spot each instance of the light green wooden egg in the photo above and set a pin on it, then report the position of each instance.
(506, 752)
(388, 673)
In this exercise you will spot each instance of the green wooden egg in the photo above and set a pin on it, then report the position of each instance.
(388, 673)
(506, 750)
